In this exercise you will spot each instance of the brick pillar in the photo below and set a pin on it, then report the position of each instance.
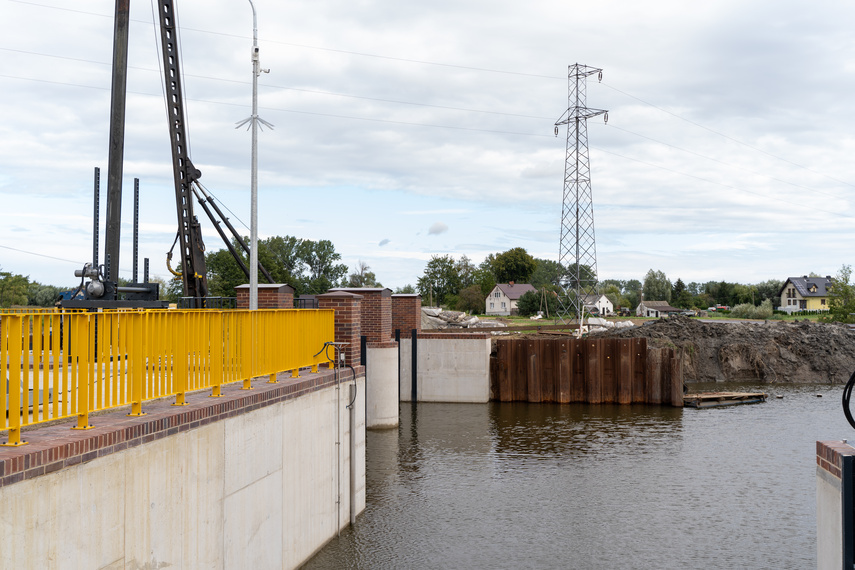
(270, 296)
(376, 312)
(406, 313)
(348, 321)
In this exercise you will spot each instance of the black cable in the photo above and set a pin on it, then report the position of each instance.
(355, 385)
(847, 392)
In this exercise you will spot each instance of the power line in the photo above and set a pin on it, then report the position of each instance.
(279, 109)
(269, 86)
(80, 263)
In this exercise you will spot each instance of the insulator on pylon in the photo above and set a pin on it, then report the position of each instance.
(556, 130)
(606, 117)
(600, 76)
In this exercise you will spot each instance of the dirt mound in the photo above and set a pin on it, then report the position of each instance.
(771, 351)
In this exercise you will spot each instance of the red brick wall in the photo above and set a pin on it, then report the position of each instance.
(406, 314)
(276, 297)
(376, 312)
(348, 321)
(829, 455)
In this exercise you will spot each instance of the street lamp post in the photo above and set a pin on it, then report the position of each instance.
(253, 121)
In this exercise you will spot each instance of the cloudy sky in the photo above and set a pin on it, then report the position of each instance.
(408, 129)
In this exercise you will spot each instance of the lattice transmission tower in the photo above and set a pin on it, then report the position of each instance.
(577, 251)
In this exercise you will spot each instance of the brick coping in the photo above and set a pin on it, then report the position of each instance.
(829, 455)
(54, 447)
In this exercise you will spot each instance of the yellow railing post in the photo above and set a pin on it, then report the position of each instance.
(84, 342)
(12, 328)
(250, 340)
(139, 367)
(218, 352)
(179, 358)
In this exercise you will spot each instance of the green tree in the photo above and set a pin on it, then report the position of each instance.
(770, 289)
(546, 274)
(321, 260)
(841, 298)
(362, 276)
(224, 274)
(405, 290)
(39, 295)
(484, 276)
(683, 300)
(466, 271)
(630, 291)
(677, 288)
(585, 276)
(13, 289)
(471, 300)
(513, 265)
(440, 279)
(656, 286)
(533, 301)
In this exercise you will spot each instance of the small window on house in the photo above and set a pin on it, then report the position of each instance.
(503, 304)
(492, 305)
(822, 301)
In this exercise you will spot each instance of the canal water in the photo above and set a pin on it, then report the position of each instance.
(518, 485)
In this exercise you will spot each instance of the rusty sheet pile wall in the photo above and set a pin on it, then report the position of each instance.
(593, 371)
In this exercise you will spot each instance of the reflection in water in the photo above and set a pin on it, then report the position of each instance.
(580, 486)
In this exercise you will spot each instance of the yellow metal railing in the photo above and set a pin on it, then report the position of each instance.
(60, 365)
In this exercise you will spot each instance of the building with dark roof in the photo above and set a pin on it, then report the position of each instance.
(502, 300)
(805, 293)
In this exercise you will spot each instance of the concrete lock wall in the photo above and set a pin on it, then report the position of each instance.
(257, 490)
(450, 368)
(381, 370)
(835, 499)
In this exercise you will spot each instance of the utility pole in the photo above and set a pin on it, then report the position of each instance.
(577, 252)
(116, 156)
(254, 120)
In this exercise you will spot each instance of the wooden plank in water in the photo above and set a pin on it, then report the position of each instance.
(718, 399)
(624, 371)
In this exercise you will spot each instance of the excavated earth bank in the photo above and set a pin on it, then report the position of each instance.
(771, 351)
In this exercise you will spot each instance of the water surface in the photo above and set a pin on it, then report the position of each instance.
(510, 485)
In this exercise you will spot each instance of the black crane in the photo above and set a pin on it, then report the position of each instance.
(189, 239)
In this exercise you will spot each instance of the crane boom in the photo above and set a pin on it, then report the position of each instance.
(189, 231)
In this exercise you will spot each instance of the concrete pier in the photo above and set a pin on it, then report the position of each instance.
(257, 478)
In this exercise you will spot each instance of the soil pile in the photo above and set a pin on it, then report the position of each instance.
(772, 351)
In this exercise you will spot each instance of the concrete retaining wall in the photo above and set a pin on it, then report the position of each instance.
(450, 368)
(258, 488)
(835, 503)
(381, 369)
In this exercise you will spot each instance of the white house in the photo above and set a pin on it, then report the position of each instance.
(599, 302)
(502, 300)
(655, 309)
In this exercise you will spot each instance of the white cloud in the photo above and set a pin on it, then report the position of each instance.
(437, 228)
(729, 130)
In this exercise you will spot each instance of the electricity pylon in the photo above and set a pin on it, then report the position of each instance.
(577, 251)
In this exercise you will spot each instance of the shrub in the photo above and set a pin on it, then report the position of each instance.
(749, 311)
